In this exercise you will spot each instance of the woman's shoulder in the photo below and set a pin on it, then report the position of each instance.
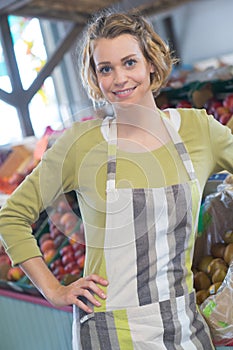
(197, 114)
(193, 116)
(83, 129)
(86, 124)
(202, 122)
(183, 118)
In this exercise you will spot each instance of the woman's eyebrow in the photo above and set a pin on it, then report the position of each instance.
(101, 63)
(122, 59)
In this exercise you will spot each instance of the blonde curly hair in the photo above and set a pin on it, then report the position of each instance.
(110, 25)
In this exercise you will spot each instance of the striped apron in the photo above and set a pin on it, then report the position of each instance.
(147, 258)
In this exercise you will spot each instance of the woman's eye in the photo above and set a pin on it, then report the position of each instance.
(105, 70)
(130, 63)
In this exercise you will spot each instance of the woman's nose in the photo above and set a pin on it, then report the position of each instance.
(119, 77)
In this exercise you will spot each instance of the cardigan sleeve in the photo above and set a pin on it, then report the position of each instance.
(222, 145)
(55, 174)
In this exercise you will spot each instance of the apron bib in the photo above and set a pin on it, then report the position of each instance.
(148, 252)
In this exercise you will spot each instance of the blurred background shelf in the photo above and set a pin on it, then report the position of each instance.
(31, 323)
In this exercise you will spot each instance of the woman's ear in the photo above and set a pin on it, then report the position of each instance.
(152, 68)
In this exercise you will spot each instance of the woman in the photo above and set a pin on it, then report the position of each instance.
(139, 177)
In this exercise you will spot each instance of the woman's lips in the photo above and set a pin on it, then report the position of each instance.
(123, 93)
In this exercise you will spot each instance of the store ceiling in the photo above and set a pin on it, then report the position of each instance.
(80, 10)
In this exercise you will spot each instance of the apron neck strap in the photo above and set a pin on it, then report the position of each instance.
(112, 151)
(180, 147)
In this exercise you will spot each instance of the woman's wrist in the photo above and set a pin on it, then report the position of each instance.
(40, 275)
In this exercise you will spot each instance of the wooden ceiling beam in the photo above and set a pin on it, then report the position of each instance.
(80, 10)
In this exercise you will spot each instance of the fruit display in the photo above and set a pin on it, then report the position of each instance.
(60, 237)
(69, 264)
(221, 109)
(198, 90)
(63, 245)
(211, 270)
(8, 272)
(16, 162)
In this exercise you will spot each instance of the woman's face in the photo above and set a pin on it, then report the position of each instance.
(122, 71)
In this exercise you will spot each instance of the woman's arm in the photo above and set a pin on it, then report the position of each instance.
(59, 295)
(56, 173)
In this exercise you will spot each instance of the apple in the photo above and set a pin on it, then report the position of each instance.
(66, 249)
(228, 102)
(15, 273)
(55, 264)
(81, 261)
(59, 270)
(59, 240)
(49, 255)
(44, 237)
(71, 266)
(47, 245)
(224, 118)
(67, 258)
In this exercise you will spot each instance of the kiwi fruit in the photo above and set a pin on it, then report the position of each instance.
(201, 281)
(228, 254)
(218, 249)
(201, 296)
(211, 270)
(228, 236)
(218, 275)
(216, 263)
(204, 263)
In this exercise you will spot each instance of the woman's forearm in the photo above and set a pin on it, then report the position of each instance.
(40, 275)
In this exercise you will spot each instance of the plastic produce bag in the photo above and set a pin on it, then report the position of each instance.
(217, 230)
(217, 309)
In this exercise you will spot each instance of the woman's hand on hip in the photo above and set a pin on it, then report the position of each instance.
(59, 295)
(86, 287)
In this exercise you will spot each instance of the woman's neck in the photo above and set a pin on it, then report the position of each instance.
(140, 128)
(139, 116)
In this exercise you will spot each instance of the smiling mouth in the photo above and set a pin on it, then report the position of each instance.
(123, 92)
